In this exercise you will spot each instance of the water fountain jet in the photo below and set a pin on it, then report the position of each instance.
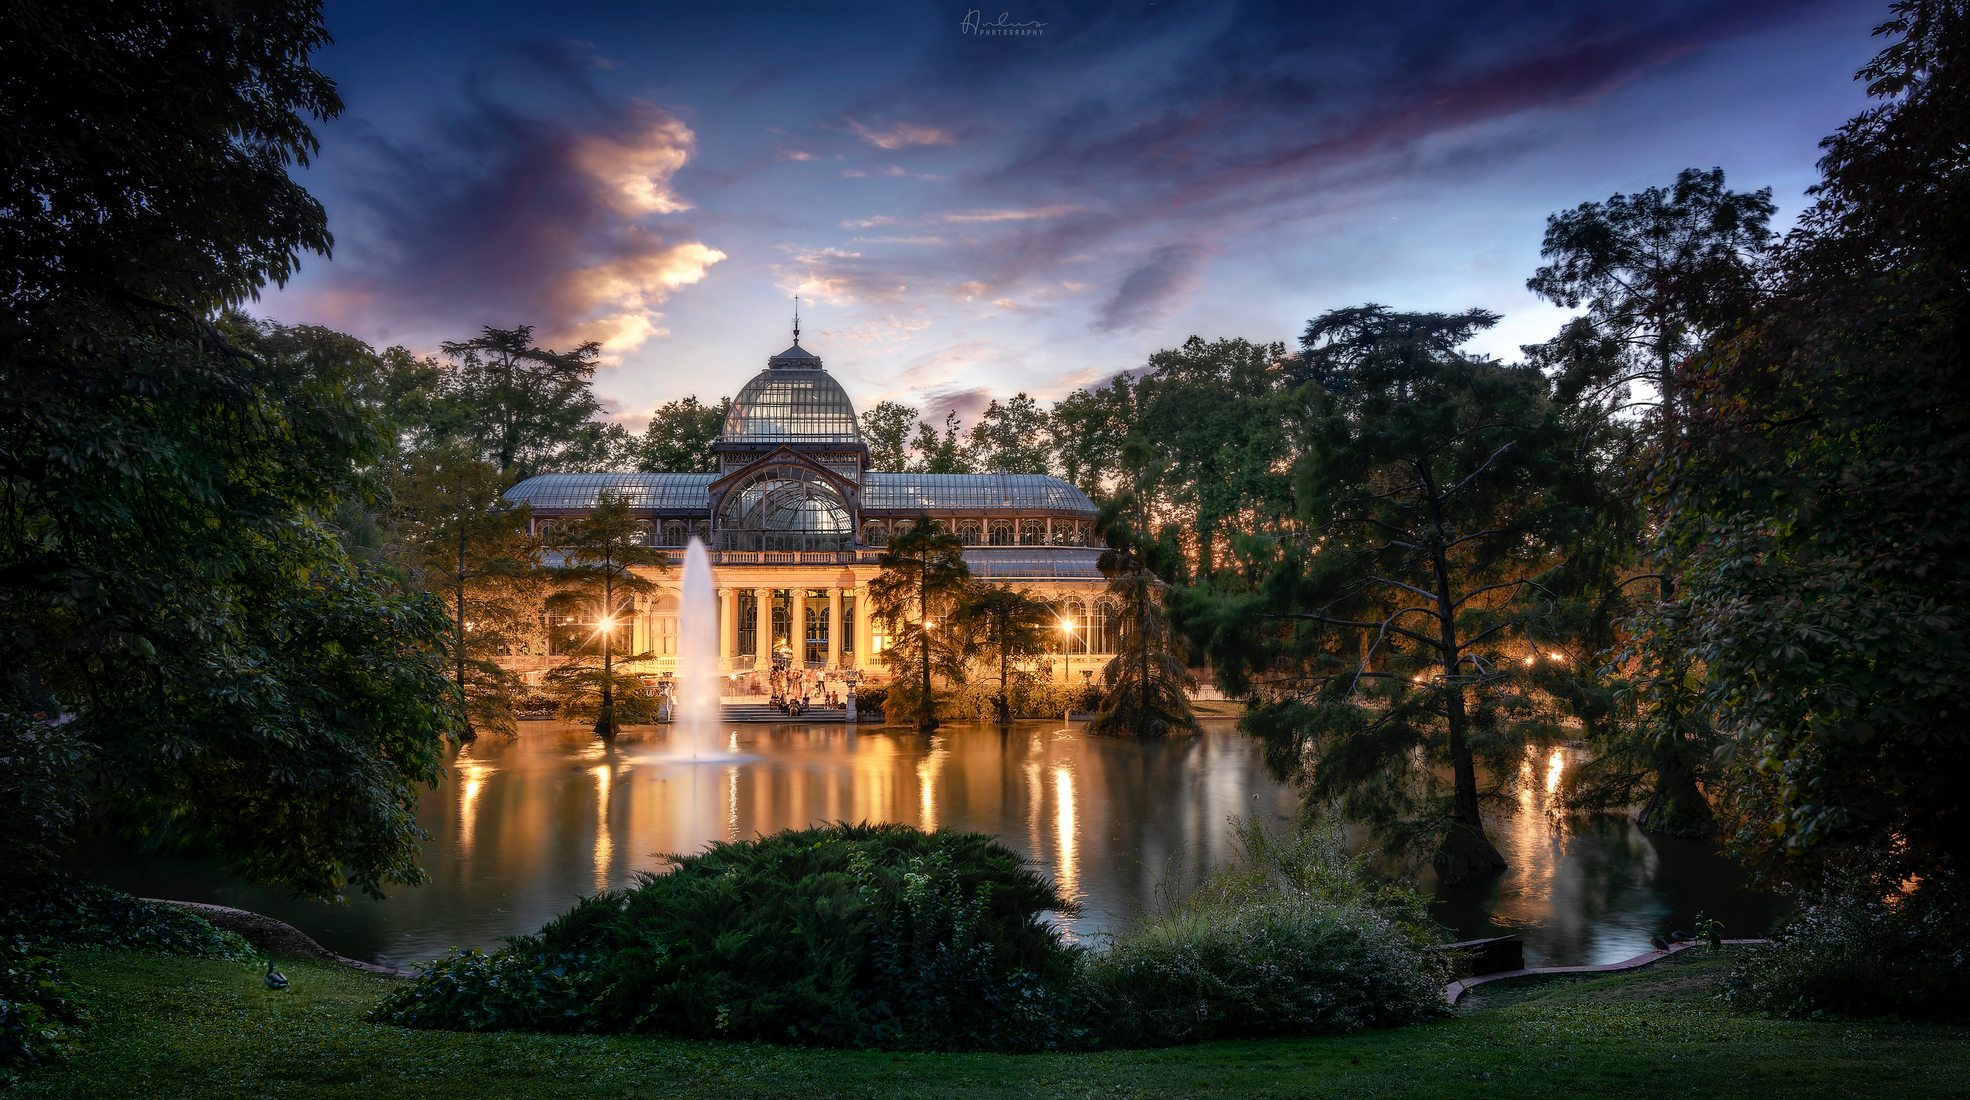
(695, 721)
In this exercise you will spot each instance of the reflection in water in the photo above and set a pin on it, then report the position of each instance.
(1067, 870)
(521, 828)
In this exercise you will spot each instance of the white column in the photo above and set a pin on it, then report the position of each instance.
(797, 628)
(728, 620)
(864, 642)
(762, 599)
(834, 627)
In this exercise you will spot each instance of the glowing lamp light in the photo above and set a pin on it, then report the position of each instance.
(1531, 660)
(607, 622)
(1066, 626)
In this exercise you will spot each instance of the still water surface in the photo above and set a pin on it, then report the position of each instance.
(522, 827)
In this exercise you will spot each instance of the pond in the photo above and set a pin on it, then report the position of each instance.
(522, 827)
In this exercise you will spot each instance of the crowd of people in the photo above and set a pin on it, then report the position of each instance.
(794, 690)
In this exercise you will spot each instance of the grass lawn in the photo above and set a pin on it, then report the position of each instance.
(166, 1026)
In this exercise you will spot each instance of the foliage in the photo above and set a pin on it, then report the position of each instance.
(37, 1008)
(1291, 938)
(1145, 687)
(606, 559)
(76, 912)
(941, 454)
(680, 436)
(1011, 437)
(519, 988)
(886, 429)
(1821, 498)
(1659, 272)
(1452, 515)
(923, 579)
(43, 785)
(1088, 431)
(1005, 626)
(457, 538)
(166, 574)
(577, 689)
(1853, 949)
(847, 935)
(1209, 446)
(525, 408)
(1031, 698)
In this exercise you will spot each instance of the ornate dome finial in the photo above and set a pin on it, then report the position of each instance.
(796, 320)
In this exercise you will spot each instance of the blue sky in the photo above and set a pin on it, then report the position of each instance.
(969, 215)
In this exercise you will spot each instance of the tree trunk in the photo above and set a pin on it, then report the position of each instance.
(605, 721)
(926, 706)
(1465, 854)
(466, 733)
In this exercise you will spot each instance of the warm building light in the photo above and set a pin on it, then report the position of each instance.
(1556, 656)
(1531, 660)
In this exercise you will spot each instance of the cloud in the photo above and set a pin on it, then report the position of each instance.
(496, 216)
(1167, 272)
(902, 135)
(988, 217)
(636, 169)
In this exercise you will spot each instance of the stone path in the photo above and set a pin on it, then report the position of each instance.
(1457, 988)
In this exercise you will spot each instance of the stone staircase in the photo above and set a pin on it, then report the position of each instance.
(766, 712)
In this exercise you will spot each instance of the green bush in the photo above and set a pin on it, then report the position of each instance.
(42, 769)
(847, 935)
(1293, 938)
(37, 1007)
(76, 912)
(1864, 949)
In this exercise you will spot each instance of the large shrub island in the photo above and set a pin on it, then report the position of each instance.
(884, 936)
(847, 935)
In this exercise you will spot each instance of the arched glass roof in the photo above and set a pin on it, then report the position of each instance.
(664, 492)
(967, 492)
(793, 401)
(784, 507)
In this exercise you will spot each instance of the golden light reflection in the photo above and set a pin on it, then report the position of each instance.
(732, 800)
(1555, 768)
(1066, 836)
(604, 844)
(928, 770)
(472, 779)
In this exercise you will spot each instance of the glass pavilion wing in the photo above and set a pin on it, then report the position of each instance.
(664, 492)
(792, 406)
(973, 492)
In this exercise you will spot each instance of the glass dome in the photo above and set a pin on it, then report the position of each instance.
(792, 401)
(784, 507)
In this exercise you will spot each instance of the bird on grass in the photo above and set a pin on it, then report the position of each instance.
(275, 979)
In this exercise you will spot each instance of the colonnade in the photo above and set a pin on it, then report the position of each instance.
(857, 597)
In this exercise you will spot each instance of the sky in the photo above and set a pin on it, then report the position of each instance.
(967, 213)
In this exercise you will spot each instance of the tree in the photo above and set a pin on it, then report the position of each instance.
(1011, 437)
(886, 429)
(1819, 501)
(680, 436)
(944, 454)
(228, 677)
(1445, 500)
(1087, 432)
(1659, 272)
(1145, 686)
(923, 580)
(1005, 626)
(523, 406)
(460, 540)
(1209, 441)
(601, 555)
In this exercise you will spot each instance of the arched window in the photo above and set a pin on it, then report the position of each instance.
(1001, 532)
(784, 507)
(968, 532)
(674, 533)
(1065, 534)
(875, 533)
(702, 529)
(1105, 629)
(1068, 627)
(663, 625)
(1032, 532)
